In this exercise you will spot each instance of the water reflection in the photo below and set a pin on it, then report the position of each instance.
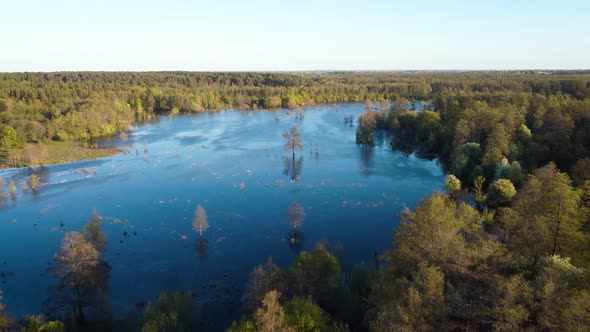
(202, 248)
(367, 154)
(295, 239)
(42, 172)
(292, 167)
(80, 297)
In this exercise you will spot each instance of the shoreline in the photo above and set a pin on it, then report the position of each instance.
(56, 153)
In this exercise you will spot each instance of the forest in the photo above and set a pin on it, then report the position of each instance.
(506, 247)
(48, 117)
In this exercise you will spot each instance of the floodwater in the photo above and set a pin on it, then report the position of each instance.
(234, 165)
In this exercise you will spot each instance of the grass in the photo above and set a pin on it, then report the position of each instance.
(53, 153)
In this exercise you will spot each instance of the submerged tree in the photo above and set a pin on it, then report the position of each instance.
(367, 123)
(34, 181)
(295, 216)
(78, 267)
(84, 275)
(293, 138)
(92, 232)
(12, 189)
(200, 222)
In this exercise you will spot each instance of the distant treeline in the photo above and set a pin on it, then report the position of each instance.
(84, 105)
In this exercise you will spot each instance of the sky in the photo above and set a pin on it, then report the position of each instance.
(296, 35)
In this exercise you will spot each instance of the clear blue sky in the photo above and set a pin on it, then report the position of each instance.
(55, 35)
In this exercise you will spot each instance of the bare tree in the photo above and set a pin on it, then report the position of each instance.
(296, 214)
(293, 138)
(200, 223)
(270, 317)
(84, 277)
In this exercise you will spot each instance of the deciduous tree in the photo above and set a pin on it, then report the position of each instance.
(294, 141)
(200, 222)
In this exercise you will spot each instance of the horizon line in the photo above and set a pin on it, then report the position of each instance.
(301, 71)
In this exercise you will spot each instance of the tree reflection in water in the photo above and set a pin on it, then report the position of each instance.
(202, 248)
(292, 167)
(295, 240)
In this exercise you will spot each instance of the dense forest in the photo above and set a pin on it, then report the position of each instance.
(506, 247)
(37, 109)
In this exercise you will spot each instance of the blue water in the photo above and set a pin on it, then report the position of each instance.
(352, 197)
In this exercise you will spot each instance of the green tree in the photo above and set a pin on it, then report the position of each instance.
(581, 171)
(431, 234)
(512, 309)
(497, 145)
(453, 185)
(93, 234)
(524, 133)
(545, 216)
(10, 137)
(366, 125)
(172, 312)
(514, 173)
(421, 306)
(478, 192)
(501, 192)
(562, 304)
(244, 325)
(303, 315)
(38, 323)
(316, 274)
(262, 280)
